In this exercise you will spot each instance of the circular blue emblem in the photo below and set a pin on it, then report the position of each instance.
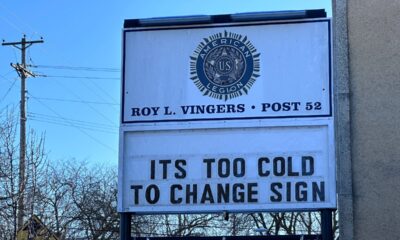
(225, 65)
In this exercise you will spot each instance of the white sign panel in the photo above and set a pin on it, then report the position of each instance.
(277, 168)
(227, 117)
(227, 72)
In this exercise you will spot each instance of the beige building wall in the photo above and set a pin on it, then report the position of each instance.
(373, 32)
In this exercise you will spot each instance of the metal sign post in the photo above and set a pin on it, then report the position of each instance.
(326, 224)
(125, 226)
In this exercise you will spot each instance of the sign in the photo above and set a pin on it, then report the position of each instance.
(220, 170)
(227, 117)
(260, 71)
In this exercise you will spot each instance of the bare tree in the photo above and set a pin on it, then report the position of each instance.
(75, 201)
(147, 225)
(94, 194)
(10, 193)
(56, 208)
(8, 177)
(187, 224)
(36, 175)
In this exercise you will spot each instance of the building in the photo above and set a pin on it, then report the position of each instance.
(35, 229)
(367, 74)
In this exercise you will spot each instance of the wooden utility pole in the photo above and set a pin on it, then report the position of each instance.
(24, 73)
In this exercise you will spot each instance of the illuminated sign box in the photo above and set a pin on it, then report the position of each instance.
(227, 117)
(288, 74)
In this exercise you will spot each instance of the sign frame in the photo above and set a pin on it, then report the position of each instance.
(237, 122)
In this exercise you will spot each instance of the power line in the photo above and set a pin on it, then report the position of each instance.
(11, 24)
(77, 101)
(101, 90)
(16, 16)
(93, 69)
(73, 125)
(80, 77)
(90, 78)
(8, 105)
(45, 116)
(4, 76)
(8, 91)
(90, 106)
(66, 124)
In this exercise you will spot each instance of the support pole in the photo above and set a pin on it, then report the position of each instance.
(125, 226)
(24, 73)
(326, 224)
(22, 139)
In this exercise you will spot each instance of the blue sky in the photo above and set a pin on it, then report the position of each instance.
(75, 98)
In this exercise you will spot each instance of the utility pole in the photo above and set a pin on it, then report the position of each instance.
(24, 73)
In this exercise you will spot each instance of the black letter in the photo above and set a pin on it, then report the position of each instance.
(223, 193)
(135, 112)
(260, 167)
(265, 107)
(304, 165)
(238, 196)
(207, 194)
(227, 167)
(286, 106)
(296, 106)
(240, 108)
(282, 166)
(251, 192)
(185, 109)
(208, 162)
(318, 190)
(290, 168)
(165, 167)
(156, 194)
(152, 169)
(167, 111)
(242, 163)
(178, 165)
(278, 197)
(301, 194)
(192, 194)
(288, 192)
(136, 189)
(172, 194)
(220, 108)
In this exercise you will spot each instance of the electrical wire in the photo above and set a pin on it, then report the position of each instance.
(99, 95)
(103, 91)
(68, 125)
(93, 69)
(73, 125)
(16, 16)
(84, 123)
(4, 76)
(90, 78)
(81, 77)
(8, 91)
(89, 105)
(19, 30)
(77, 101)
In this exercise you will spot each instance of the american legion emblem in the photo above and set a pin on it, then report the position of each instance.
(225, 65)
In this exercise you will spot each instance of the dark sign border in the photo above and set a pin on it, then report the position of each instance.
(277, 237)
